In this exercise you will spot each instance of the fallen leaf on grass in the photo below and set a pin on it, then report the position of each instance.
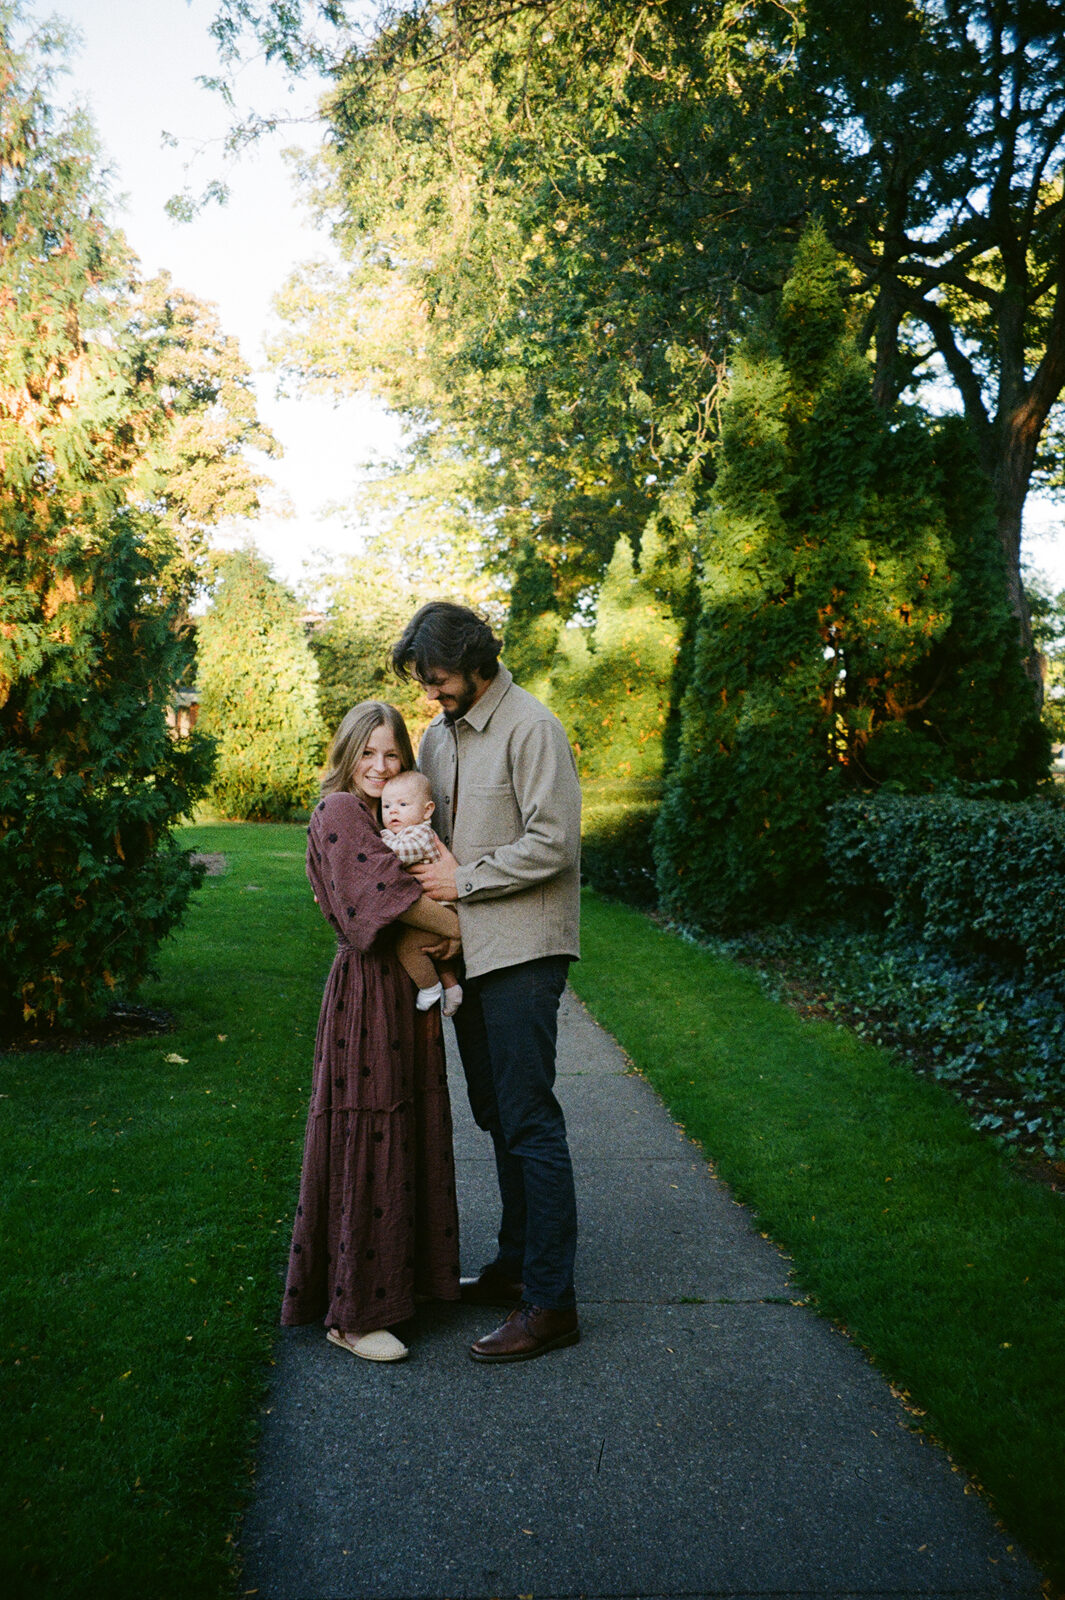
(175, 1060)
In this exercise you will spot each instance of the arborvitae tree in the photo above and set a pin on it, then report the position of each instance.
(258, 698)
(90, 782)
(826, 654)
(610, 685)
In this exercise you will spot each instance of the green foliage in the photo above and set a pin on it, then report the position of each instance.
(531, 637)
(980, 702)
(855, 628)
(617, 831)
(90, 783)
(257, 681)
(1048, 628)
(193, 472)
(367, 605)
(557, 217)
(610, 684)
(964, 959)
(992, 1034)
(516, 238)
(979, 878)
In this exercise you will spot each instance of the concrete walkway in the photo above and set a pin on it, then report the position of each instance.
(705, 1438)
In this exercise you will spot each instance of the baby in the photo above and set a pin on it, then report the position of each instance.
(406, 806)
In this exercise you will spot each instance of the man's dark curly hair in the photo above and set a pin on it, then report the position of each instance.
(442, 637)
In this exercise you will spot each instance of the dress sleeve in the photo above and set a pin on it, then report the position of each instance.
(361, 886)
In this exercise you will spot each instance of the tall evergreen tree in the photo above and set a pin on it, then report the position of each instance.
(836, 644)
(611, 684)
(90, 783)
(257, 680)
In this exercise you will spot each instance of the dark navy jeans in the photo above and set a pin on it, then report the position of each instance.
(507, 1027)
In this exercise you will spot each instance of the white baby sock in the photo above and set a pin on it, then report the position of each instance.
(452, 999)
(427, 998)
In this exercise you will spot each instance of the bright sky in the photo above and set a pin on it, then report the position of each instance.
(136, 74)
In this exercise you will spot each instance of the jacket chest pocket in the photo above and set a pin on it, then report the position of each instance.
(488, 816)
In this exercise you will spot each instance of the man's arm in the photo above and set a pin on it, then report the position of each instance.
(437, 878)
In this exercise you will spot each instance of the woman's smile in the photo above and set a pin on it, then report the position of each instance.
(380, 760)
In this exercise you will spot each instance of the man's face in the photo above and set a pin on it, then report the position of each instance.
(454, 692)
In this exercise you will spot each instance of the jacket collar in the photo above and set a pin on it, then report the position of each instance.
(479, 713)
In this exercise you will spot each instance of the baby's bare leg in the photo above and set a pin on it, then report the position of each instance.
(412, 957)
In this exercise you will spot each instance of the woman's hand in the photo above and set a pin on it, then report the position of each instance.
(437, 878)
(445, 950)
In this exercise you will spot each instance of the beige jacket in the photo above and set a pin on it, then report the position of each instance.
(508, 804)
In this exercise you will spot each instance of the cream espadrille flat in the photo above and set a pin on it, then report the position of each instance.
(378, 1346)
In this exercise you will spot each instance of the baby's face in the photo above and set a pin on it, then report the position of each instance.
(403, 806)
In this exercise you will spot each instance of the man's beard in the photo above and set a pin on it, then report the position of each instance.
(465, 699)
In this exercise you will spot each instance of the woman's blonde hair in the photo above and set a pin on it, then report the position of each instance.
(349, 742)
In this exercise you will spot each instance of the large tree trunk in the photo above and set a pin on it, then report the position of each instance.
(1011, 471)
(1009, 509)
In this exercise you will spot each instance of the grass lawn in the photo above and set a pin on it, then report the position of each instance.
(904, 1225)
(145, 1227)
(145, 1207)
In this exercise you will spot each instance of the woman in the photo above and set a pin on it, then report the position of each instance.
(376, 1224)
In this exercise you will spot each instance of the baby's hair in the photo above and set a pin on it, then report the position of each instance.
(413, 780)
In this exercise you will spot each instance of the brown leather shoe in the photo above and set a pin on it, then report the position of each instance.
(490, 1288)
(529, 1331)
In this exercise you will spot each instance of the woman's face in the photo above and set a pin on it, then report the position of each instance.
(379, 761)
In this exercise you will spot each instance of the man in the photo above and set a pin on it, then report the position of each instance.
(508, 811)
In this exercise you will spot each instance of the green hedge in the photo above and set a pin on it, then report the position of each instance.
(960, 959)
(616, 855)
(978, 878)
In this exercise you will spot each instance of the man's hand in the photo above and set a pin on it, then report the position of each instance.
(446, 950)
(437, 878)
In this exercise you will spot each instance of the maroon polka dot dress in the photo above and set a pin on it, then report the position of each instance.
(377, 1220)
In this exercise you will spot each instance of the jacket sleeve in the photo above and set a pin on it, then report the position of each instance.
(548, 797)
